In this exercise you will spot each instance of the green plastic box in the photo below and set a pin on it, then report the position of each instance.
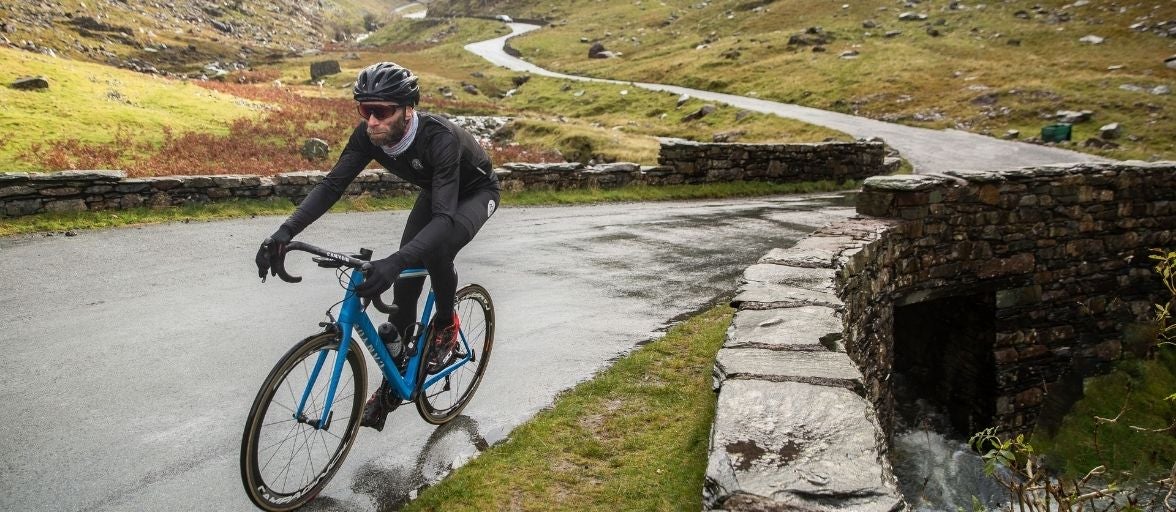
(1055, 132)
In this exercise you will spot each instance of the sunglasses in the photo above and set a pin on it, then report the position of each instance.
(381, 112)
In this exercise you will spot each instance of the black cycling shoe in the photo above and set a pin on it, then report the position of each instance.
(375, 412)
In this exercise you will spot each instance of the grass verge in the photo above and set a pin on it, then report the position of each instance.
(66, 221)
(1136, 394)
(632, 438)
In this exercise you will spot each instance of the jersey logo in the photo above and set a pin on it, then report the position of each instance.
(416, 164)
(490, 208)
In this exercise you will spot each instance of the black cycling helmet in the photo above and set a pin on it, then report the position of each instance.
(387, 81)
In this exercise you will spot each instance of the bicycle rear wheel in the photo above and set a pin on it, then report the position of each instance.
(286, 461)
(443, 400)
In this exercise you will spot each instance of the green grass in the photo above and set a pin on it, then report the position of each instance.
(92, 103)
(632, 438)
(1139, 389)
(71, 221)
(65, 221)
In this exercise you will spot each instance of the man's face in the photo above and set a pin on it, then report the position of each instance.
(386, 121)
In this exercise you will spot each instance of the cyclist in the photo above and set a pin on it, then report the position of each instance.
(459, 193)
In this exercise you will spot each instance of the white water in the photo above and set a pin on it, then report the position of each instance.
(937, 473)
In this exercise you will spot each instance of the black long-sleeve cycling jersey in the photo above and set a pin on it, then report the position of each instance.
(443, 159)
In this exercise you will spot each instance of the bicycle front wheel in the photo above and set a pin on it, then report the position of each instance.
(285, 458)
(444, 399)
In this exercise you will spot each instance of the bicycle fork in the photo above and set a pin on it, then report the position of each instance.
(349, 316)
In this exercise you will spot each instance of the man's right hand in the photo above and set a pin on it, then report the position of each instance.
(271, 249)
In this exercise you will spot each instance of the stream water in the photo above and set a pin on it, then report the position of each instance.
(936, 472)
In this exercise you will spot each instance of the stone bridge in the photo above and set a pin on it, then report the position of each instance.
(985, 293)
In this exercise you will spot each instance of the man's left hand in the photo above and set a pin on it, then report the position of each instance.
(381, 276)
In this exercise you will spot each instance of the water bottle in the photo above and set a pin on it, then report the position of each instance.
(392, 341)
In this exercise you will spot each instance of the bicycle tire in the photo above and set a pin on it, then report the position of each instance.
(446, 398)
(272, 431)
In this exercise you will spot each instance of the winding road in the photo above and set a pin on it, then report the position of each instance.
(132, 355)
(928, 151)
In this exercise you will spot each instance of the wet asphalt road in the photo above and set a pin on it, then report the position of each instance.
(132, 355)
(928, 151)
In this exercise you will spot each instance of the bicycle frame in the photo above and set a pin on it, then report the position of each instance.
(353, 317)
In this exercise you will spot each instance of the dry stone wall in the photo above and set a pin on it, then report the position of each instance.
(30, 193)
(695, 162)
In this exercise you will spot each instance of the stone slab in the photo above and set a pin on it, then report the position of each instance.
(796, 446)
(79, 175)
(810, 367)
(759, 295)
(9, 178)
(905, 182)
(809, 258)
(815, 279)
(799, 328)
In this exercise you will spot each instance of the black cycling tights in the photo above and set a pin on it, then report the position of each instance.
(472, 212)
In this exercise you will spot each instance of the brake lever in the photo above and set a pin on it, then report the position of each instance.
(280, 266)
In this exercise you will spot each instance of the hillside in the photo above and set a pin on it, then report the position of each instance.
(252, 115)
(985, 67)
(185, 37)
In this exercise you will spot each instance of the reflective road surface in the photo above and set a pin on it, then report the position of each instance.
(131, 356)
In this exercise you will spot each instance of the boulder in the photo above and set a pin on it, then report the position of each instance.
(1160, 90)
(702, 112)
(1072, 117)
(315, 149)
(728, 136)
(1110, 131)
(1170, 62)
(595, 51)
(222, 26)
(1092, 39)
(323, 68)
(912, 16)
(1097, 143)
(30, 83)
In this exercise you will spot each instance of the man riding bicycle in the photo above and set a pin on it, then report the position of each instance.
(459, 193)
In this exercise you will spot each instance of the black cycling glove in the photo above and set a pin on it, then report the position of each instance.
(270, 250)
(383, 273)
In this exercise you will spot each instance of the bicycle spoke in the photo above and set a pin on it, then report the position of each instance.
(279, 422)
(293, 430)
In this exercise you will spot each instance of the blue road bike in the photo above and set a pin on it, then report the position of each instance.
(306, 415)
